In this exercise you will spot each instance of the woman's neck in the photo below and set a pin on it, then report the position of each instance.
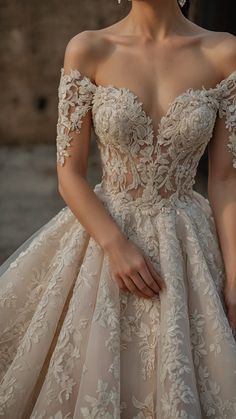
(154, 19)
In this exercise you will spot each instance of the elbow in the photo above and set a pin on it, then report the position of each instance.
(224, 181)
(222, 190)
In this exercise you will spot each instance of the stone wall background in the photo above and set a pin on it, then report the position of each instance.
(34, 35)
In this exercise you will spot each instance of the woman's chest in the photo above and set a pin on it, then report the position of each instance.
(119, 118)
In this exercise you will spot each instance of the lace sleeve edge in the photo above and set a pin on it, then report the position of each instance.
(227, 110)
(75, 93)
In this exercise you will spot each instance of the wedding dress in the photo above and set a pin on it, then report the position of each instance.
(74, 345)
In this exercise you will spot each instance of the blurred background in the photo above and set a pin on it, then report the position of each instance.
(33, 39)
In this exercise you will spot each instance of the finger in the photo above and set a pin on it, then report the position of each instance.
(155, 274)
(233, 325)
(121, 284)
(232, 317)
(148, 278)
(134, 289)
(142, 286)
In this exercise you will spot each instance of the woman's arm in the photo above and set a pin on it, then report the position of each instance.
(222, 196)
(222, 185)
(71, 170)
(74, 121)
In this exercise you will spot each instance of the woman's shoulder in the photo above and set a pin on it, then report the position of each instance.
(218, 48)
(226, 52)
(221, 47)
(221, 42)
(86, 49)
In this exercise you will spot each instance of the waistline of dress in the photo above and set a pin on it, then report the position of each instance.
(122, 202)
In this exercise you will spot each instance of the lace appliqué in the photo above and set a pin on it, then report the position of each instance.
(72, 344)
(147, 170)
(227, 109)
(75, 94)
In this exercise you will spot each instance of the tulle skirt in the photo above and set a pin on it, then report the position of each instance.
(74, 345)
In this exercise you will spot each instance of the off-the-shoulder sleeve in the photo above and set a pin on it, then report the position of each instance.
(75, 94)
(227, 110)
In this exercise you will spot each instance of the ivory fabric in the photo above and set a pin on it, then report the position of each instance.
(74, 345)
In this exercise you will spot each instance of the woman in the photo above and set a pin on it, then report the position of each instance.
(124, 304)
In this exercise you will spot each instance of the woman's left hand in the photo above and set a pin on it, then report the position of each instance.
(230, 301)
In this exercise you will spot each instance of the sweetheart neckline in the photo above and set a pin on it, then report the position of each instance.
(156, 132)
(172, 104)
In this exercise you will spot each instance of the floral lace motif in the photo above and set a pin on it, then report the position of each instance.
(227, 109)
(72, 344)
(75, 95)
(142, 167)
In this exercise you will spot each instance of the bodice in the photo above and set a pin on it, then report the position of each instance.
(140, 165)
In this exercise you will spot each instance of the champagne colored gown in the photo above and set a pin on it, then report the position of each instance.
(74, 345)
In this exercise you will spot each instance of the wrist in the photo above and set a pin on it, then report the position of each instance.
(114, 239)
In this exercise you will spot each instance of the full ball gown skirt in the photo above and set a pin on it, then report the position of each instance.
(74, 345)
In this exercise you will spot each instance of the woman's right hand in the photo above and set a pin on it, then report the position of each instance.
(132, 270)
